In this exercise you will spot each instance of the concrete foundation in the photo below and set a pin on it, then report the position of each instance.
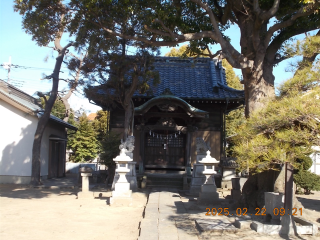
(208, 194)
(304, 228)
(197, 178)
(273, 200)
(243, 222)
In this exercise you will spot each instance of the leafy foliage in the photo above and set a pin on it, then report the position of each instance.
(120, 76)
(286, 129)
(101, 127)
(100, 24)
(101, 124)
(84, 143)
(307, 180)
(110, 148)
(58, 108)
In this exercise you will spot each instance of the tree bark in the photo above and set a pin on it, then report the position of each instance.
(257, 89)
(128, 118)
(66, 97)
(43, 120)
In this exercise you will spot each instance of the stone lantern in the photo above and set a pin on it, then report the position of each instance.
(122, 187)
(209, 194)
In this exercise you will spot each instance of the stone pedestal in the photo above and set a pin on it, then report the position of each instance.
(85, 172)
(122, 192)
(235, 194)
(209, 194)
(198, 179)
(273, 200)
(200, 157)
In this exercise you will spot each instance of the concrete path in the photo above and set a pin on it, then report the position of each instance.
(166, 218)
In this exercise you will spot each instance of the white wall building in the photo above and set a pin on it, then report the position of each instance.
(18, 123)
(315, 156)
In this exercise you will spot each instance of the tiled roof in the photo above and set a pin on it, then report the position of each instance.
(28, 102)
(200, 78)
(92, 116)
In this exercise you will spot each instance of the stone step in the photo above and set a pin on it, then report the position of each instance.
(165, 180)
(162, 183)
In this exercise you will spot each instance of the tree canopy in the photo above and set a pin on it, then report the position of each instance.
(84, 143)
(58, 108)
(265, 25)
(287, 128)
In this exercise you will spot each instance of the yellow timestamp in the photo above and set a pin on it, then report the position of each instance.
(258, 212)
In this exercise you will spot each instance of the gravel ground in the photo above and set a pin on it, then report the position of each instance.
(27, 213)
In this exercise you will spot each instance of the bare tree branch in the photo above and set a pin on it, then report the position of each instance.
(265, 15)
(40, 94)
(165, 28)
(304, 11)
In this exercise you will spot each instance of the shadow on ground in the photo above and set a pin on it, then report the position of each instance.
(312, 204)
(25, 192)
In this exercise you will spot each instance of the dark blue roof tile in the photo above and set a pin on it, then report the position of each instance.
(201, 78)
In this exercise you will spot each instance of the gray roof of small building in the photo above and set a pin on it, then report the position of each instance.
(200, 78)
(29, 102)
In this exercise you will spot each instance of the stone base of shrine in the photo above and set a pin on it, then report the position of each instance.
(88, 194)
(206, 198)
(124, 200)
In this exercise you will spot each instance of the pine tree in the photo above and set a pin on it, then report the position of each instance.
(58, 108)
(101, 124)
(84, 143)
(287, 127)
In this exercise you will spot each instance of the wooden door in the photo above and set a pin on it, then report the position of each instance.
(56, 159)
(163, 152)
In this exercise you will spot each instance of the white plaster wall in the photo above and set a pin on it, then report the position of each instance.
(315, 168)
(17, 130)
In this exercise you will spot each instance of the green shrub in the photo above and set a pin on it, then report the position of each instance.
(307, 180)
(110, 148)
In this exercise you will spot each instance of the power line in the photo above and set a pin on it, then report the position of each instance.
(26, 67)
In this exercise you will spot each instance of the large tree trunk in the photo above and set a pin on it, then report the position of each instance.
(258, 79)
(257, 89)
(36, 148)
(128, 118)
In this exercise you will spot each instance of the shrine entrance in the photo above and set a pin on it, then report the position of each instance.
(165, 149)
(165, 124)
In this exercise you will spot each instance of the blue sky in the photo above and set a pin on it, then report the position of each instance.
(24, 52)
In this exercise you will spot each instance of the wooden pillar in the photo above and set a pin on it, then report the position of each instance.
(142, 142)
(188, 147)
(287, 222)
(288, 187)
